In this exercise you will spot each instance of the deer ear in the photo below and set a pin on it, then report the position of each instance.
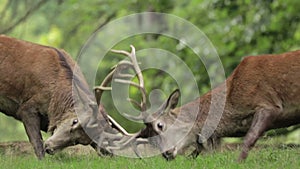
(172, 100)
(168, 105)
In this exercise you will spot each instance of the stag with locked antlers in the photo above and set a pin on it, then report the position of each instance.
(261, 94)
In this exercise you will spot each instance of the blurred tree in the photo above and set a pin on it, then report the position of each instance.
(14, 13)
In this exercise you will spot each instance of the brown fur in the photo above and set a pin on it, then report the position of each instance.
(262, 93)
(36, 86)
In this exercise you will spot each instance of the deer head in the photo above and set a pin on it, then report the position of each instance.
(165, 123)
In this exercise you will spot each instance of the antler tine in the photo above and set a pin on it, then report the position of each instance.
(113, 72)
(120, 128)
(128, 82)
(133, 102)
(103, 87)
(121, 52)
(140, 85)
(121, 66)
(140, 78)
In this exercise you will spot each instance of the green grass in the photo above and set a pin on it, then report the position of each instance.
(280, 157)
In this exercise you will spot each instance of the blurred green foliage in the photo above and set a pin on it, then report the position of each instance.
(236, 28)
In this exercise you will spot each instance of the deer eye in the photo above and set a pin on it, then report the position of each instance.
(160, 126)
(75, 121)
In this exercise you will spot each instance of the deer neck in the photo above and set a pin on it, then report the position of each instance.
(218, 113)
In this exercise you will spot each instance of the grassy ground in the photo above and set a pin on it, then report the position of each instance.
(265, 157)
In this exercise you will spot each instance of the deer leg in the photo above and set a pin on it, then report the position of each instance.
(197, 151)
(260, 123)
(101, 151)
(199, 147)
(212, 143)
(31, 121)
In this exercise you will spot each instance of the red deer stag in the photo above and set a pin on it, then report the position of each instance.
(262, 93)
(38, 85)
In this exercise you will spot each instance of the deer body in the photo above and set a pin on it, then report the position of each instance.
(262, 93)
(42, 86)
(267, 84)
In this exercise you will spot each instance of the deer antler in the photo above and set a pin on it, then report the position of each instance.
(116, 74)
(119, 77)
(140, 85)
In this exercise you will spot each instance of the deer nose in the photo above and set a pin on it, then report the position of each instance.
(169, 154)
(48, 149)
